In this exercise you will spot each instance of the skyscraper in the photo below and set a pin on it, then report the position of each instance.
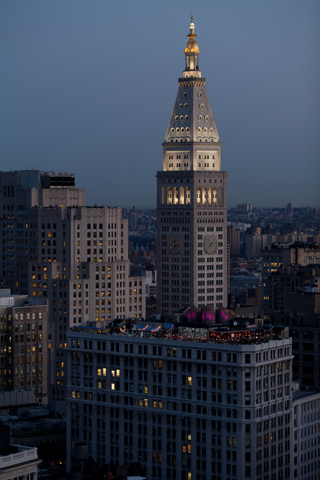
(191, 199)
(278, 254)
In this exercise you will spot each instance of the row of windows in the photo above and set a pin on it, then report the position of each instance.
(176, 140)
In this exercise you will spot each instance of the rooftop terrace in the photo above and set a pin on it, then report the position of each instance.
(231, 333)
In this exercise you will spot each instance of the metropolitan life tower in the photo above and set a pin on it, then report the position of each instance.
(191, 199)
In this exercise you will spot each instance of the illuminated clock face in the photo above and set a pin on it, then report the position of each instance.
(210, 244)
(174, 244)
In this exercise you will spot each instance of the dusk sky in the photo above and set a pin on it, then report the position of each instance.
(88, 87)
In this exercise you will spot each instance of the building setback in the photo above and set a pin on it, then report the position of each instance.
(217, 408)
(191, 200)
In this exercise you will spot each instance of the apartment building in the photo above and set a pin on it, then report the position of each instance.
(23, 345)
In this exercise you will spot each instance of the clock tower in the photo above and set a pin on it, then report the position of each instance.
(191, 199)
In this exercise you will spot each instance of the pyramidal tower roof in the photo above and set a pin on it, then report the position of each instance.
(191, 119)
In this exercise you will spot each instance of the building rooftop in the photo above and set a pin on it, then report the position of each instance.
(9, 300)
(284, 246)
(235, 332)
(300, 394)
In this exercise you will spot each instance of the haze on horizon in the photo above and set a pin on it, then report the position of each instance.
(88, 87)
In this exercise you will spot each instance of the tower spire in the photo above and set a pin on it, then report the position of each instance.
(191, 26)
(192, 54)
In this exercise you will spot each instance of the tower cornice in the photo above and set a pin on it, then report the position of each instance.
(192, 82)
(178, 145)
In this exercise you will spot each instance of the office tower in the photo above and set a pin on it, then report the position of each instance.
(23, 195)
(295, 302)
(244, 207)
(190, 402)
(241, 284)
(76, 256)
(23, 345)
(276, 255)
(292, 279)
(257, 241)
(191, 199)
(234, 241)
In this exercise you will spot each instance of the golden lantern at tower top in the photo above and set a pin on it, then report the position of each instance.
(192, 46)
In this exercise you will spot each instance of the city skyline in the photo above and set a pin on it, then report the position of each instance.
(78, 81)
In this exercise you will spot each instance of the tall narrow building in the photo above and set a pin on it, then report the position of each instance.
(191, 199)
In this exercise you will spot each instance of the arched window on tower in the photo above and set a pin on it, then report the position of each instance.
(181, 196)
(204, 195)
(175, 195)
(188, 196)
(169, 195)
(209, 196)
(215, 196)
(198, 195)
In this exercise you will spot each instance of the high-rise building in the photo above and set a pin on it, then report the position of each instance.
(234, 241)
(257, 241)
(295, 302)
(190, 401)
(55, 247)
(23, 345)
(191, 199)
(292, 279)
(276, 255)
